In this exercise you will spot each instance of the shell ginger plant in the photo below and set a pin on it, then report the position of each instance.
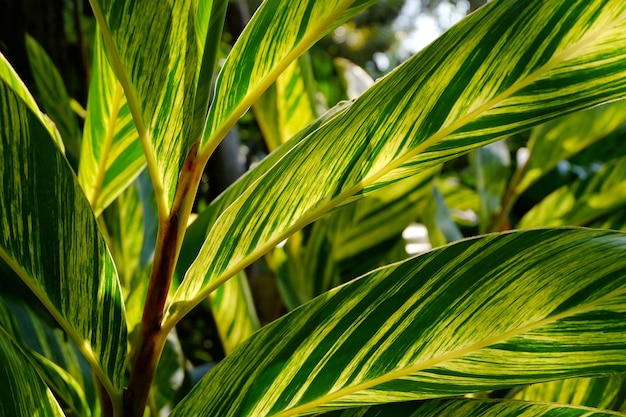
(85, 316)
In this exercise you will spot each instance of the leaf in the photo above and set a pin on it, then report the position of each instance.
(56, 359)
(493, 312)
(54, 97)
(563, 137)
(354, 239)
(170, 373)
(152, 47)
(491, 165)
(52, 243)
(608, 392)
(278, 33)
(61, 382)
(234, 313)
(417, 117)
(111, 155)
(583, 201)
(24, 393)
(288, 105)
(13, 81)
(474, 408)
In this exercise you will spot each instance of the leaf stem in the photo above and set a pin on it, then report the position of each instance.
(152, 335)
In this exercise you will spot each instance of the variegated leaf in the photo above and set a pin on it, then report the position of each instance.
(608, 392)
(352, 240)
(24, 393)
(563, 137)
(152, 47)
(474, 408)
(583, 201)
(452, 97)
(111, 154)
(51, 242)
(13, 81)
(278, 33)
(53, 97)
(480, 314)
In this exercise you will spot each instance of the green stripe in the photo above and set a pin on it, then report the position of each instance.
(476, 315)
(421, 114)
(52, 242)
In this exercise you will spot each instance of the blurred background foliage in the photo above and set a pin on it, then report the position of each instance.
(569, 171)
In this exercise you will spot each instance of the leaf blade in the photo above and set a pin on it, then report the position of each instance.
(476, 315)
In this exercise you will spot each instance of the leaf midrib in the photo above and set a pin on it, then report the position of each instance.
(571, 51)
(420, 366)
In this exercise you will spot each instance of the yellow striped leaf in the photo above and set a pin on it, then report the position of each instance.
(278, 33)
(474, 408)
(234, 313)
(152, 47)
(111, 154)
(583, 201)
(608, 392)
(13, 81)
(24, 394)
(352, 240)
(52, 244)
(504, 68)
(54, 98)
(480, 314)
(64, 386)
(563, 137)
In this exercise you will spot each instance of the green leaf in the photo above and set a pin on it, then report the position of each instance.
(491, 167)
(608, 392)
(152, 47)
(170, 373)
(234, 313)
(352, 240)
(563, 137)
(480, 314)
(474, 408)
(278, 33)
(64, 386)
(13, 81)
(23, 391)
(288, 105)
(111, 155)
(51, 241)
(583, 201)
(501, 78)
(54, 98)
(49, 351)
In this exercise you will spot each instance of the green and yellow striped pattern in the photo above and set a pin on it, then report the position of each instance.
(111, 153)
(519, 64)
(492, 312)
(51, 242)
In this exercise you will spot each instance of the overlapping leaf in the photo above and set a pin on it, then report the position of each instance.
(111, 154)
(54, 97)
(152, 47)
(24, 393)
(475, 408)
(583, 201)
(52, 243)
(481, 314)
(563, 137)
(279, 32)
(13, 81)
(608, 392)
(353, 240)
(504, 68)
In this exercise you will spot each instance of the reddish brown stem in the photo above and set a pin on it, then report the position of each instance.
(151, 336)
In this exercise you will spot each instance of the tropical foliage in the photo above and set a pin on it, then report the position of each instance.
(500, 139)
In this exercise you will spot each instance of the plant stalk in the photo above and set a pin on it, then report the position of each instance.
(151, 337)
